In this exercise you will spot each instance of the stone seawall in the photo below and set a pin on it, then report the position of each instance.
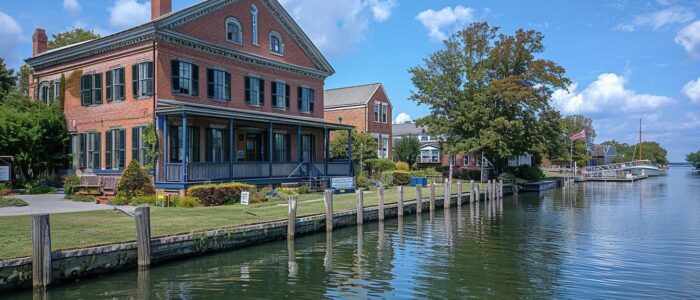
(71, 265)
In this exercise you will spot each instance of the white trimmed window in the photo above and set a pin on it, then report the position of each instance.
(254, 91)
(276, 43)
(234, 32)
(254, 22)
(44, 91)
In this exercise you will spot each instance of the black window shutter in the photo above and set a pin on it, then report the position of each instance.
(262, 92)
(122, 84)
(97, 88)
(135, 144)
(175, 72)
(135, 80)
(227, 86)
(96, 153)
(83, 148)
(149, 82)
(210, 83)
(86, 90)
(208, 146)
(273, 92)
(311, 100)
(122, 148)
(286, 96)
(195, 144)
(247, 89)
(108, 77)
(174, 144)
(108, 149)
(195, 80)
(299, 93)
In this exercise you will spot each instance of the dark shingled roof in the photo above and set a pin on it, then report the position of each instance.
(349, 96)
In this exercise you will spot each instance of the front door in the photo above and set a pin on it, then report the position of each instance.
(307, 153)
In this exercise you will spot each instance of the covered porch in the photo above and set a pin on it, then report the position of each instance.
(211, 144)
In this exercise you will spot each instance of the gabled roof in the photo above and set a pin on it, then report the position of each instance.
(351, 96)
(407, 128)
(165, 23)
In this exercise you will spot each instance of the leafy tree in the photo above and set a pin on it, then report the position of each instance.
(364, 147)
(489, 93)
(694, 158)
(35, 134)
(407, 150)
(572, 125)
(7, 78)
(76, 35)
(151, 140)
(134, 182)
(649, 150)
(23, 84)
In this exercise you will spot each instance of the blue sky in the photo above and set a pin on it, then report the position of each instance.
(627, 59)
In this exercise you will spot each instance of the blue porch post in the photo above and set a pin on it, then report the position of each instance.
(327, 151)
(269, 147)
(185, 145)
(350, 151)
(166, 145)
(299, 154)
(231, 150)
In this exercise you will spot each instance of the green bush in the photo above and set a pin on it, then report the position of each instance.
(12, 202)
(362, 182)
(220, 194)
(425, 172)
(187, 202)
(402, 166)
(381, 164)
(262, 195)
(38, 188)
(401, 178)
(530, 173)
(119, 201)
(302, 190)
(134, 182)
(142, 200)
(80, 198)
(69, 184)
(386, 179)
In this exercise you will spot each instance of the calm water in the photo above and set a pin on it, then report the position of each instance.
(599, 240)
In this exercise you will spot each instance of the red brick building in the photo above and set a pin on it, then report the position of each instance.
(233, 89)
(367, 107)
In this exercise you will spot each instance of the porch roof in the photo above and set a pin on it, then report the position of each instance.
(174, 107)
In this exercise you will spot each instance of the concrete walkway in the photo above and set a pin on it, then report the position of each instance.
(50, 203)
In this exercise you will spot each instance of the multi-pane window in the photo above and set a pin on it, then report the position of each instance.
(254, 22)
(218, 84)
(276, 44)
(466, 160)
(115, 85)
(429, 156)
(88, 150)
(176, 144)
(44, 92)
(56, 90)
(254, 91)
(185, 78)
(281, 150)
(381, 111)
(385, 113)
(91, 89)
(383, 147)
(138, 145)
(453, 159)
(115, 151)
(142, 79)
(233, 31)
(306, 99)
(280, 95)
(377, 111)
(216, 145)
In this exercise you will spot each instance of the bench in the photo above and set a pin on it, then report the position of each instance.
(89, 185)
(109, 185)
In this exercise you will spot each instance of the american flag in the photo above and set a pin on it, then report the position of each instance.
(579, 136)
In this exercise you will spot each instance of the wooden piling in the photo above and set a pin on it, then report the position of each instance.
(472, 192)
(143, 235)
(459, 193)
(447, 199)
(500, 189)
(292, 219)
(328, 200)
(360, 206)
(400, 203)
(478, 193)
(432, 197)
(41, 251)
(380, 201)
(419, 199)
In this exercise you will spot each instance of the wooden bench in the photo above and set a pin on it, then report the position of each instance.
(89, 185)
(109, 185)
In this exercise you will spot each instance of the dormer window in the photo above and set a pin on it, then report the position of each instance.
(254, 22)
(234, 33)
(276, 44)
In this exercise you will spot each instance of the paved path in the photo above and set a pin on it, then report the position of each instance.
(50, 203)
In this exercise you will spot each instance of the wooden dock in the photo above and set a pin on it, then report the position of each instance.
(539, 186)
(616, 179)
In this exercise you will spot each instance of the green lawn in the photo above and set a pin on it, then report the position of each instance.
(75, 230)
(11, 202)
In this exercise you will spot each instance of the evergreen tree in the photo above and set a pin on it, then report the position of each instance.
(7, 79)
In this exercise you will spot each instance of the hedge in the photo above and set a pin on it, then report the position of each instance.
(219, 194)
(401, 178)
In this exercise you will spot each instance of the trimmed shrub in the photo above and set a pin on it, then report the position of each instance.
(381, 165)
(362, 182)
(81, 198)
(150, 200)
(401, 178)
(69, 184)
(187, 202)
(530, 173)
(134, 183)
(402, 166)
(220, 194)
(301, 190)
(425, 172)
(12, 202)
(262, 195)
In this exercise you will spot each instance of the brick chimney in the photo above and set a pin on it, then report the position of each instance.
(40, 42)
(160, 7)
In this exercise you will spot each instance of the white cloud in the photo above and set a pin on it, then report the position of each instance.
(692, 90)
(72, 6)
(11, 36)
(128, 13)
(445, 22)
(659, 19)
(402, 118)
(689, 38)
(337, 27)
(605, 96)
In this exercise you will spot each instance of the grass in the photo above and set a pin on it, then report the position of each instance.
(12, 202)
(83, 229)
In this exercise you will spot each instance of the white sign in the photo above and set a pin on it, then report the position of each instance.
(245, 196)
(4, 173)
(343, 183)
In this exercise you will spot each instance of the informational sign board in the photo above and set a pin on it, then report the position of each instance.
(245, 198)
(342, 185)
(4, 173)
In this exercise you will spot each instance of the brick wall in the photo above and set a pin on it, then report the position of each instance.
(353, 116)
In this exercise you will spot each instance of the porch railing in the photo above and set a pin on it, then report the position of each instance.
(173, 172)
(208, 171)
(251, 169)
(222, 171)
(283, 169)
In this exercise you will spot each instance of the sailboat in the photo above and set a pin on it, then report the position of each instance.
(641, 166)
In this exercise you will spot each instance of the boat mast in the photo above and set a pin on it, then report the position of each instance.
(640, 139)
